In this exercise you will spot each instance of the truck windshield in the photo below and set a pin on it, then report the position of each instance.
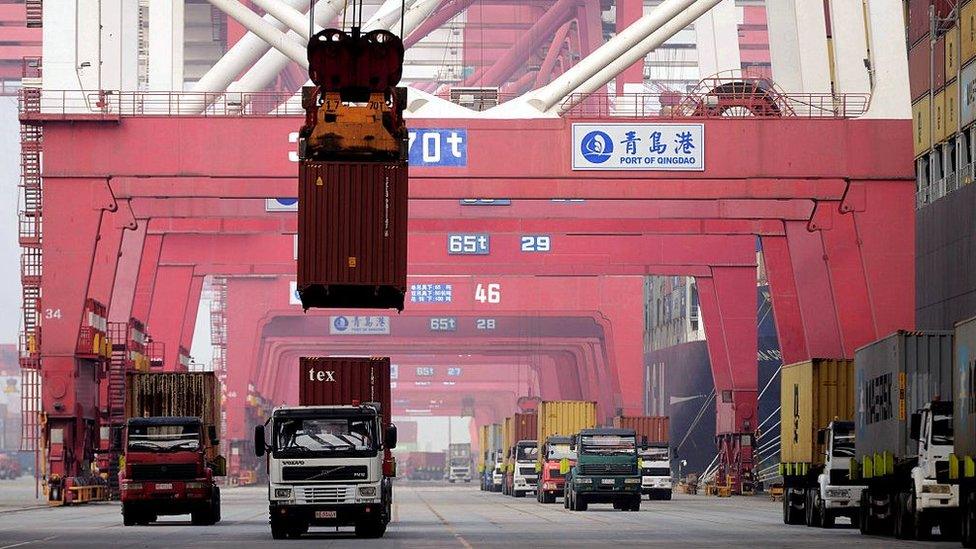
(164, 438)
(559, 451)
(459, 462)
(608, 444)
(305, 435)
(941, 429)
(526, 453)
(843, 444)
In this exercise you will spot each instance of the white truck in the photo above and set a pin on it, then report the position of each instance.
(655, 462)
(828, 492)
(459, 462)
(525, 478)
(329, 460)
(497, 473)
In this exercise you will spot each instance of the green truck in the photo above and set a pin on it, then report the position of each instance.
(605, 471)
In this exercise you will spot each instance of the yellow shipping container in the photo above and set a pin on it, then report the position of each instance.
(967, 21)
(938, 117)
(922, 125)
(482, 446)
(951, 109)
(507, 440)
(813, 393)
(952, 52)
(563, 417)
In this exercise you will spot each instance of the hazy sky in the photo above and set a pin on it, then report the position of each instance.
(9, 249)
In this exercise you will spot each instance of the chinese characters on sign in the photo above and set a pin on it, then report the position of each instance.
(431, 293)
(665, 147)
(359, 325)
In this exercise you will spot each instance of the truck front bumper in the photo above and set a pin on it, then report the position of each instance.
(166, 498)
(607, 489)
(326, 515)
(938, 496)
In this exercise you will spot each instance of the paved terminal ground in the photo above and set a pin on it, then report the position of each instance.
(435, 515)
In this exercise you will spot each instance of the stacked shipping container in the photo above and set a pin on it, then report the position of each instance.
(942, 49)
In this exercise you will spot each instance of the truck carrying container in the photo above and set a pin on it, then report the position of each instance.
(519, 427)
(352, 218)
(171, 447)
(654, 428)
(962, 461)
(338, 439)
(428, 465)
(331, 381)
(559, 418)
(903, 434)
(491, 477)
(459, 462)
(817, 442)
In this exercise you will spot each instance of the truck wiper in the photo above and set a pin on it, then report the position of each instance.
(327, 472)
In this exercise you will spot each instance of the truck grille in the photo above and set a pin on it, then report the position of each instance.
(327, 473)
(326, 494)
(609, 469)
(168, 471)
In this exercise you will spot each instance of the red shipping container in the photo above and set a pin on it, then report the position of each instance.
(337, 381)
(525, 427)
(939, 75)
(919, 70)
(352, 227)
(918, 20)
(655, 428)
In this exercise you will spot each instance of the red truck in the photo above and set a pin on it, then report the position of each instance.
(170, 444)
(558, 458)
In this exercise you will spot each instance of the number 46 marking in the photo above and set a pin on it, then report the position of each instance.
(490, 294)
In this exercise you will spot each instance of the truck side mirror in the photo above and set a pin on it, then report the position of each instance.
(916, 426)
(821, 436)
(212, 434)
(259, 444)
(572, 444)
(390, 437)
(644, 442)
(117, 439)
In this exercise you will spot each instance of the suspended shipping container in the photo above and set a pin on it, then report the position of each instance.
(352, 218)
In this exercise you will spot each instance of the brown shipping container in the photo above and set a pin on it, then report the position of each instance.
(812, 394)
(186, 394)
(352, 227)
(918, 20)
(919, 69)
(655, 428)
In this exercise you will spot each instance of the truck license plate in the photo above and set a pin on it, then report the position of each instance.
(325, 514)
(607, 481)
(164, 486)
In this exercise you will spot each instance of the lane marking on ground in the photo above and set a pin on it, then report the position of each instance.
(464, 543)
(49, 538)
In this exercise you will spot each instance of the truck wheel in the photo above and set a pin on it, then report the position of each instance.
(128, 517)
(202, 517)
(950, 527)
(921, 526)
(518, 494)
(581, 504)
(278, 528)
(667, 496)
(370, 529)
(809, 517)
(635, 504)
(902, 527)
(969, 521)
(216, 505)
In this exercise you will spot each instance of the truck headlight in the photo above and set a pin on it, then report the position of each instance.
(584, 480)
(367, 491)
(838, 493)
(282, 493)
(131, 487)
(936, 488)
(632, 480)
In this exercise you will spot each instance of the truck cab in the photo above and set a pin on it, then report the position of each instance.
(605, 471)
(559, 457)
(524, 476)
(497, 474)
(834, 495)
(934, 501)
(459, 463)
(327, 467)
(655, 461)
(169, 465)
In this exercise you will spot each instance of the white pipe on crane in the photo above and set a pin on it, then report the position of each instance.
(640, 51)
(548, 96)
(241, 55)
(268, 32)
(273, 62)
(292, 18)
(415, 16)
(387, 15)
